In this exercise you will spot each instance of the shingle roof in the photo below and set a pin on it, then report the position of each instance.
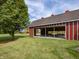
(65, 17)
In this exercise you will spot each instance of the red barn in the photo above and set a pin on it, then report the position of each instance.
(64, 25)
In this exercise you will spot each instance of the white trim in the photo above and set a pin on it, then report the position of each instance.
(77, 30)
(73, 30)
(68, 31)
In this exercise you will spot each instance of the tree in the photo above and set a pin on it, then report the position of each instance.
(13, 16)
(2, 1)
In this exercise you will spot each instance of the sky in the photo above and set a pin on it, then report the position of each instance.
(38, 9)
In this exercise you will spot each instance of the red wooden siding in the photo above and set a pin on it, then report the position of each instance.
(66, 31)
(71, 30)
(31, 32)
(75, 30)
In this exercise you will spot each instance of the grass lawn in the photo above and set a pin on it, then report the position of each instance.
(25, 47)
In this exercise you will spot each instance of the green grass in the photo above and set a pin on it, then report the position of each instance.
(25, 47)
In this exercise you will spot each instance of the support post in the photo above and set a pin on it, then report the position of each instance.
(45, 31)
(54, 31)
(34, 31)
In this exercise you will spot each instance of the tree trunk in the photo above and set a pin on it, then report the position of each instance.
(12, 34)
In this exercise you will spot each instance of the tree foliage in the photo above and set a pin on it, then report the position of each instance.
(13, 15)
(2, 1)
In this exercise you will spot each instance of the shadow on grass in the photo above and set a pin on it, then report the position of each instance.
(6, 39)
(73, 52)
